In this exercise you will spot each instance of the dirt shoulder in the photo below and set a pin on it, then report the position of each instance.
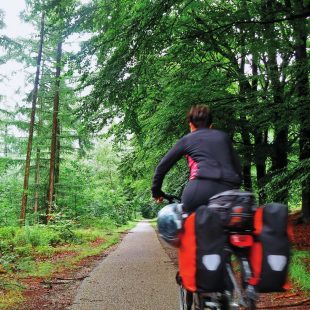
(58, 292)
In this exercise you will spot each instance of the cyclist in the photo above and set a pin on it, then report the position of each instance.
(213, 163)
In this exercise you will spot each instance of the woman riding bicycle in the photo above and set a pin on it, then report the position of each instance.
(213, 163)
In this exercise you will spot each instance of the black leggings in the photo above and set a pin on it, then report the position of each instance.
(197, 192)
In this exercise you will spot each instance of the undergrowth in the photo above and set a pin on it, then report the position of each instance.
(299, 270)
(42, 250)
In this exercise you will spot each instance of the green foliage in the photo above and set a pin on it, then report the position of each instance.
(10, 193)
(19, 245)
(44, 250)
(63, 228)
(36, 236)
(104, 222)
(298, 269)
(144, 65)
(93, 188)
(157, 59)
(150, 211)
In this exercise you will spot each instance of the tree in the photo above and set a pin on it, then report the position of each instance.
(302, 97)
(50, 197)
(32, 121)
(156, 59)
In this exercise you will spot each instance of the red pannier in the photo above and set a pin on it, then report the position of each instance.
(270, 254)
(201, 252)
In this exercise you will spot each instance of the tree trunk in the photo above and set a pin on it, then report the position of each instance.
(51, 186)
(37, 182)
(247, 159)
(302, 93)
(260, 154)
(31, 125)
(38, 156)
(38, 163)
(244, 91)
(260, 162)
(280, 143)
(57, 161)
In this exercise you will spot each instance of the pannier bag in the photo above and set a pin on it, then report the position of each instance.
(270, 254)
(236, 209)
(201, 252)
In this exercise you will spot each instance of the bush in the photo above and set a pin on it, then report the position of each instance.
(89, 234)
(44, 250)
(102, 222)
(7, 233)
(7, 254)
(26, 264)
(150, 211)
(63, 227)
(24, 251)
(39, 236)
(30, 235)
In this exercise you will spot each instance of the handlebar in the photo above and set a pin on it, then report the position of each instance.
(171, 198)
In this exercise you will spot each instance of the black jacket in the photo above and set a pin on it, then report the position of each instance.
(209, 154)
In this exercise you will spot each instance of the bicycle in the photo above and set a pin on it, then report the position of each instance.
(233, 296)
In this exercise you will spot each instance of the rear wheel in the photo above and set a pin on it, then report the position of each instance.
(186, 299)
(224, 301)
(251, 297)
(251, 304)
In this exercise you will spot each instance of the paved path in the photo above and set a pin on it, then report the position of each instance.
(138, 275)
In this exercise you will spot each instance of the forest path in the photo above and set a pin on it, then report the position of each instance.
(137, 275)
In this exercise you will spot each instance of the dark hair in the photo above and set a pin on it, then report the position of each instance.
(200, 116)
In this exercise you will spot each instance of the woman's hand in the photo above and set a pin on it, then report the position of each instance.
(158, 196)
(159, 199)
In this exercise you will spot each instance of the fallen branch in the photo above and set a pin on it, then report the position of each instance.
(73, 279)
(302, 302)
(62, 281)
(286, 296)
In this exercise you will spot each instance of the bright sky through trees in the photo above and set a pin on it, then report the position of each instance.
(14, 28)
(14, 87)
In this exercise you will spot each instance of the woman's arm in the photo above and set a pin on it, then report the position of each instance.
(164, 166)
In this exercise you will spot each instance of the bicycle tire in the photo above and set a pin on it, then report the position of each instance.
(182, 298)
(186, 299)
(251, 304)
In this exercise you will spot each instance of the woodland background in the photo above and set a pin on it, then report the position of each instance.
(82, 146)
(98, 121)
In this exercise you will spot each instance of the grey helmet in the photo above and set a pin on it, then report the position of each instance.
(169, 223)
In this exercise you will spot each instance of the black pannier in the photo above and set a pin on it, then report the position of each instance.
(270, 254)
(236, 209)
(201, 252)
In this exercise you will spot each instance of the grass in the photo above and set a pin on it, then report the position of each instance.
(40, 252)
(10, 293)
(299, 270)
(11, 299)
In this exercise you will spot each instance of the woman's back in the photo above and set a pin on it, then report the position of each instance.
(210, 156)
